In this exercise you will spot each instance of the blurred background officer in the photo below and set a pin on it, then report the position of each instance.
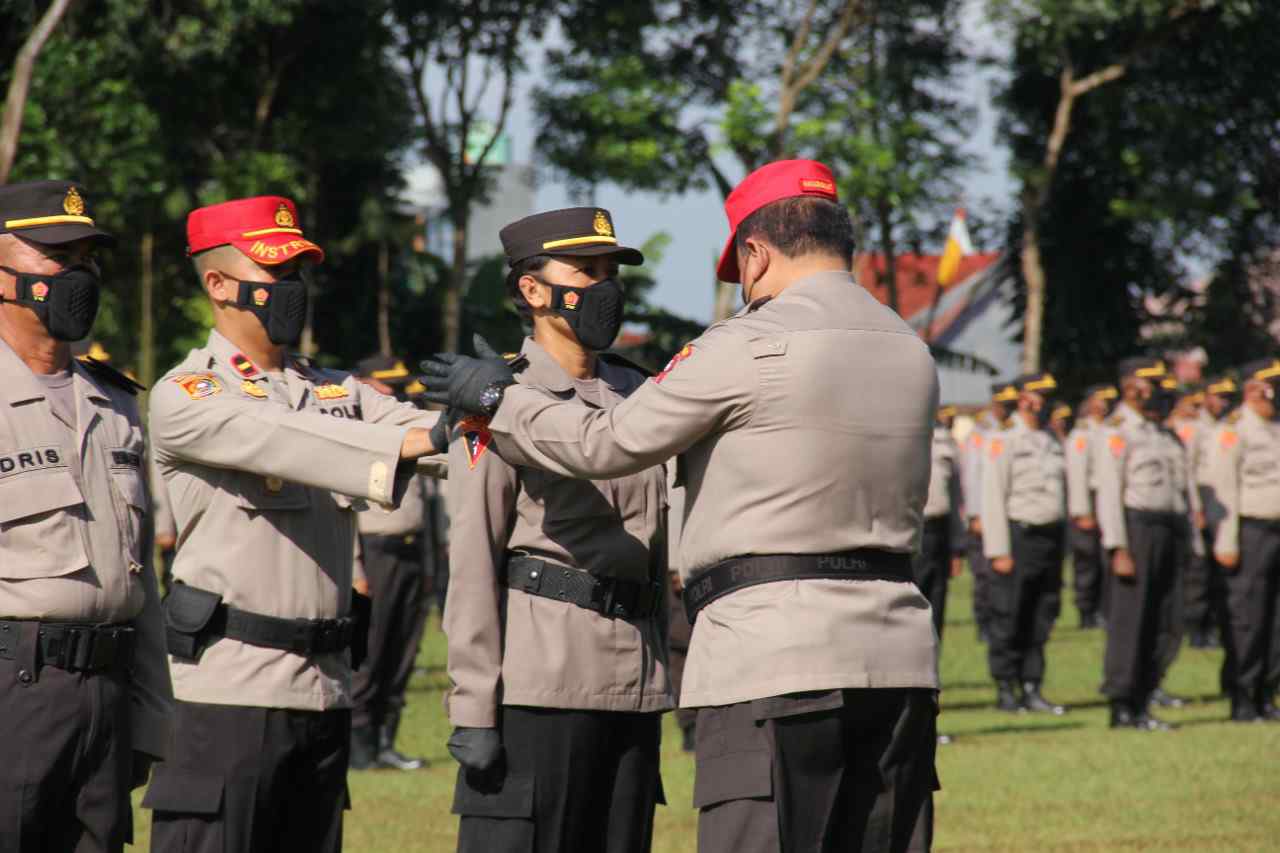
(393, 542)
(86, 703)
(265, 457)
(803, 426)
(1083, 537)
(988, 421)
(556, 616)
(943, 535)
(1206, 588)
(1245, 470)
(1023, 512)
(1061, 421)
(1143, 514)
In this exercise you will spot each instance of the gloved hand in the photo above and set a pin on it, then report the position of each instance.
(475, 748)
(461, 379)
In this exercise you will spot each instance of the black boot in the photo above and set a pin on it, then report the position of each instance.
(364, 748)
(1033, 701)
(1089, 621)
(1267, 709)
(1007, 697)
(1121, 714)
(1166, 700)
(388, 755)
(1243, 709)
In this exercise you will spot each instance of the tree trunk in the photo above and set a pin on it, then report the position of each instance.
(146, 325)
(890, 250)
(23, 67)
(1033, 275)
(384, 297)
(452, 308)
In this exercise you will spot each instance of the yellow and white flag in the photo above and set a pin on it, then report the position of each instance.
(958, 245)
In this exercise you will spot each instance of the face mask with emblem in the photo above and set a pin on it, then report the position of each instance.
(281, 306)
(594, 313)
(66, 303)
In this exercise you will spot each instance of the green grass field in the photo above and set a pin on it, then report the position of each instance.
(1011, 782)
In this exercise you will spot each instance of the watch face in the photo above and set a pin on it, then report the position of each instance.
(491, 397)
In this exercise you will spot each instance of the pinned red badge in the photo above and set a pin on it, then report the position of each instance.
(685, 352)
(476, 437)
(244, 366)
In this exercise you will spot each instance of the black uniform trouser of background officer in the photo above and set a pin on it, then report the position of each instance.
(1087, 567)
(397, 585)
(932, 566)
(837, 770)
(571, 781)
(251, 780)
(680, 632)
(981, 570)
(1253, 613)
(1144, 620)
(66, 754)
(1025, 603)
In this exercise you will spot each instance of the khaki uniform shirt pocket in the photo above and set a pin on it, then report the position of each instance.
(40, 526)
(259, 494)
(131, 493)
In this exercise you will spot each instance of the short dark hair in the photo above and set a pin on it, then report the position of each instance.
(528, 266)
(801, 225)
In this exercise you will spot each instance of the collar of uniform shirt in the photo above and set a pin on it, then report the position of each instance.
(545, 371)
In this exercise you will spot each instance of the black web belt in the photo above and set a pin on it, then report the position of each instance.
(301, 636)
(610, 597)
(75, 647)
(863, 564)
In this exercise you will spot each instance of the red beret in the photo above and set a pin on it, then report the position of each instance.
(770, 183)
(265, 228)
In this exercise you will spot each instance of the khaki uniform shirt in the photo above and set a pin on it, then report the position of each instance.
(162, 516)
(1140, 466)
(1244, 464)
(803, 426)
(74, 540)
(975, 446)
(263, 474)
(1205, 450)
(1082, 479)
(1023, 480)
(511, 648)
(944, 497)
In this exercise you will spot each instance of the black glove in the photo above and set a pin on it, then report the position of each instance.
(440, 432)
(476, 749)
(462, 378)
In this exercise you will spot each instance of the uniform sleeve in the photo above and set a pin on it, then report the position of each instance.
(710, 390)
(995, 496)
(151, 693)
(1108, 459)
(161, 514)
(223, 430)
(1078, 502)
(1224, 471)
(481, 501)
(379, 408)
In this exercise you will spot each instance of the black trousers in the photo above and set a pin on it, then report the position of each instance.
(981, 584)
(932, 566)
(65, 755)
(1026, 602)
(572, 781)
(251, 780)
(1088, 568)
(1144, 622)
(679, 635)
(827, 772)
(397, 584)
(1253, 611)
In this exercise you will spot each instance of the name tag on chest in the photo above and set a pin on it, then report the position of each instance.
(34, 459)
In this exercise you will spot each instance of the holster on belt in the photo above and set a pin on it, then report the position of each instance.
(187, 614)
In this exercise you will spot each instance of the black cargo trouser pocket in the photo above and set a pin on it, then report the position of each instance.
(496, 811)
(734, 761)
(186, 810)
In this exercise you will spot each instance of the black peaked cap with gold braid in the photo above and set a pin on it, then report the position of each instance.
(582, 231)
(49, 212)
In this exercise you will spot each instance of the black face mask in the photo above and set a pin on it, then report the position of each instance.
(66, 302)
(594, 313)
(281, 307)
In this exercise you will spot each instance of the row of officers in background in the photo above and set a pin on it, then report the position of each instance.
(1167, 498)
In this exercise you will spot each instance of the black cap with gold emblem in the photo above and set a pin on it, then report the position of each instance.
(49, 212)
(1142, 367)
(582, 231)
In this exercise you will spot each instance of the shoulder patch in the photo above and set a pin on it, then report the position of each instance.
(106, 373)
(244, 366)
(1115, 443)
(622, 361)
(1186, 433)
(685, 352)
(1228, 438)
(1081, 443)
(476, 437)
(198, 385)
(996, 448)
(976, 440)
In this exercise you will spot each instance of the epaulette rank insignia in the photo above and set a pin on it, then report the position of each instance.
(330, 391)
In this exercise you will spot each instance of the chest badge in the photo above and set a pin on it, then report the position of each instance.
(274, 485)
(253, 389)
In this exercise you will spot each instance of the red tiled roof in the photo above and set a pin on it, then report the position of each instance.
(917, 277)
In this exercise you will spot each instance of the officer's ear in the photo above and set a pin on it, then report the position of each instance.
(535, 293)
(220, 288)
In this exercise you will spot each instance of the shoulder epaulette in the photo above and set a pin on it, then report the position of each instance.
(622, 361)
(105, 372)
(1115, 420)
(1234, 417)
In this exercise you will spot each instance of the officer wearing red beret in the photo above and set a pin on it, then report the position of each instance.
(265, 458)
(801, 429)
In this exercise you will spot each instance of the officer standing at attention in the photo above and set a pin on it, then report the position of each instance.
(943, 535)
(1023, 513)
(1060, 422)
(265, 458)
(556, 615)
(392, 544)
(1143, 514)
(802, 427)
(1245, 469)
(987, 422)
(87, 701)
(1206, 598)
(1087, 557)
